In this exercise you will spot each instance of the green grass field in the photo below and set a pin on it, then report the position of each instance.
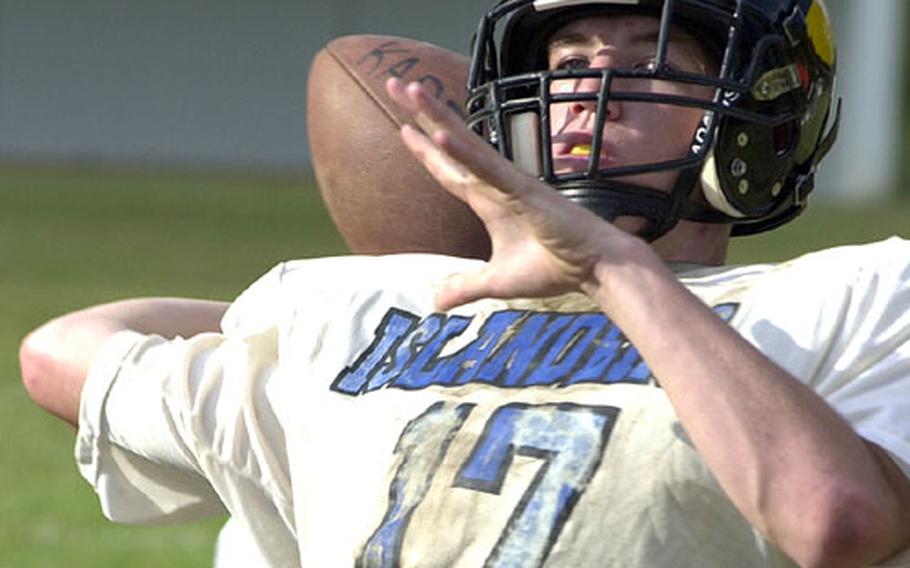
(69, 239)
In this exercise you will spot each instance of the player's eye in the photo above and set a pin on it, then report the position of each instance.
(572, 62)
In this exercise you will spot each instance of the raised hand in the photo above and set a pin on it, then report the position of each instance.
(543, 244)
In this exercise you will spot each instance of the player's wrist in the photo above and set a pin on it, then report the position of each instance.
(623, 268)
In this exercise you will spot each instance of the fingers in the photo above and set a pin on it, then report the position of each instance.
(447, 171)
(449, 131)
(429, 112)
(407, 97)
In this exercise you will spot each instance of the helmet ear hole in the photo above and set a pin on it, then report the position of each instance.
(785, 136)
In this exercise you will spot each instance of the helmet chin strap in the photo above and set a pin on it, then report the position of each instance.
(611, 200)
(661, 210)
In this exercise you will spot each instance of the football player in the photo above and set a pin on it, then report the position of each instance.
(603, 391)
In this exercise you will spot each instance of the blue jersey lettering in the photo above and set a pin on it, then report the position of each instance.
(513, 349)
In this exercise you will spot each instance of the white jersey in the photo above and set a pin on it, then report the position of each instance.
(343, 422)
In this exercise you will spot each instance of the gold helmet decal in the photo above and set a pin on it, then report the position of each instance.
(820, 34)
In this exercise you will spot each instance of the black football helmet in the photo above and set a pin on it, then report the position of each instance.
(762, 135)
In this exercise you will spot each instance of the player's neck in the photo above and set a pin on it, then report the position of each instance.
(697, 243)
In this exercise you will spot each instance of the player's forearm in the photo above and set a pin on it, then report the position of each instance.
(56, 357)
(792, 466)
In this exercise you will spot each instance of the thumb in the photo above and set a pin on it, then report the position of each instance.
(462, 288)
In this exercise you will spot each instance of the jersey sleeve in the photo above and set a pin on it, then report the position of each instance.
(185, 428)
(125, 447)
(174, 430)
(866, 376)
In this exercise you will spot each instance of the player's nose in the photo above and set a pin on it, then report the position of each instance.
(592, 86)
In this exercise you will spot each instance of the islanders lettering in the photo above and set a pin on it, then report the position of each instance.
(512, 349)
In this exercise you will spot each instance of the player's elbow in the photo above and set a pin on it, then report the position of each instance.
(841, 530)
(55, 359)
(35, 364)
(44, 372)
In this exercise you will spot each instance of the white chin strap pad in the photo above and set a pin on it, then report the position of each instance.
(710, 186)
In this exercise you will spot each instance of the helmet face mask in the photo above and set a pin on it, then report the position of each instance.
(761, 108)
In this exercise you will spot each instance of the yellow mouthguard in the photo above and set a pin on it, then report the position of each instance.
(581, 150)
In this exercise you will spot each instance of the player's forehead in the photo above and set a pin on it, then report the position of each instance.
(616, 30)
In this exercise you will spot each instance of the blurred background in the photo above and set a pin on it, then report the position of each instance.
(159, 148)
(220, 84)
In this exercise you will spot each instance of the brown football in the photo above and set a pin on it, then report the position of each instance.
(380, 198)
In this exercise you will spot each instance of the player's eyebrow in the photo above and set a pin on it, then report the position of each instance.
(572, 38)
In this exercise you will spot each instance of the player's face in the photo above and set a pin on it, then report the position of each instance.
(634, 132)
